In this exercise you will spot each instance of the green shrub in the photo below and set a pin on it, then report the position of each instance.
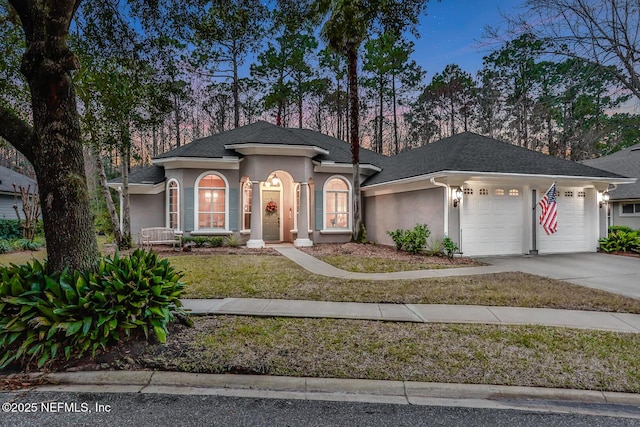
(26, 245)
(102, 223)
(232, 241)
(10, 229)
(616, 228)
(4, 246)
(434, 248)
(450, 247)
(44, 317)
(620, 241)
(200, 241)
(398, 237)
(412, 241)
(216, 241)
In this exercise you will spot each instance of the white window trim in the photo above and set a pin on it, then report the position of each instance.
(168, 215)
(627, 215)
(196, 203)
(349, 228)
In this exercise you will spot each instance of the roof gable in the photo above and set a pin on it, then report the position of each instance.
(626, 162)
(9, 177)
(261, 132)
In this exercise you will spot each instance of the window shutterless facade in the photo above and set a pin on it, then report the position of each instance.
(212, 209)
(173, 204)
(337, 204)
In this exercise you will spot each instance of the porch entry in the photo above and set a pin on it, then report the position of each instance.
(271, 211)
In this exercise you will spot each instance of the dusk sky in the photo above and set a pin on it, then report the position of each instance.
(452, 31)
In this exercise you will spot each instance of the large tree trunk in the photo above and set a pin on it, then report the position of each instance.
(395, 113)
(236, 94)
(53, 145)
(354, 110)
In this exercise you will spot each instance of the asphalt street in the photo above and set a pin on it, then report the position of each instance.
(133, 409)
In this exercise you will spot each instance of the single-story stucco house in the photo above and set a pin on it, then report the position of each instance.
(266, 183)
(624, 199)
(9, 177)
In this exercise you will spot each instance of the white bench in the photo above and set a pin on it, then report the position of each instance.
(160, 236)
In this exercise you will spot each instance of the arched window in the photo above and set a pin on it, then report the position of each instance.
(337, 203)
(173, 204)
(212, 203)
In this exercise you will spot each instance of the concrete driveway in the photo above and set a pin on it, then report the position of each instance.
(613, 273)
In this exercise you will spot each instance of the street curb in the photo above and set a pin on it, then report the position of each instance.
(266, 386)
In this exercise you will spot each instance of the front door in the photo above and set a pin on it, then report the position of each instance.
(271, 216)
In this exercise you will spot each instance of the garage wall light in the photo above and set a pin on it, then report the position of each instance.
(605, 198)
(457, 196)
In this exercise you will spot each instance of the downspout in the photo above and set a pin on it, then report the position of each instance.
(446, 204)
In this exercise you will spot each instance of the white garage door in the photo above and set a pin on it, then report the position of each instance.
(575, 222)
(492, 220)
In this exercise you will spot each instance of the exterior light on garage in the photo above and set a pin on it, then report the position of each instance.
(605, 198)
(457, 196)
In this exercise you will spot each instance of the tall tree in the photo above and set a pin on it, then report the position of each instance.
(52, 141)
(456, 90)
(336, 98)
(347, 25)
(600, 32)
(226, 34)
(515, 67)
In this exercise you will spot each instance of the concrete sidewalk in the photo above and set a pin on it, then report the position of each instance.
(420, 313)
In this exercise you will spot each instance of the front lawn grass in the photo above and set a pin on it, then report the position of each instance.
(261, 276)
(473, 354)
(385, 265)
(22, 257)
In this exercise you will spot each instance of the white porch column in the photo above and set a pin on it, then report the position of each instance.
(303, 221)
(255, 238)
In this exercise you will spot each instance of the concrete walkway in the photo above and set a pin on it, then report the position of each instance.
(419, 313)
(314, 265)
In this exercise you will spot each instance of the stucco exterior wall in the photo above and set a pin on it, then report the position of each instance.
(147, 210)
(618, 218)
(404, 210)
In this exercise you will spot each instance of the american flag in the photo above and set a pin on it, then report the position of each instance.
(549, 215)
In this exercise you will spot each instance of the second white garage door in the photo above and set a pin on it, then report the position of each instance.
(576, 224)
(492, 220)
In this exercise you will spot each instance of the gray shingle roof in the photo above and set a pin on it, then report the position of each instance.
(146, 175)
(465, 152)
(266, 133)
(625, 162)
(470, 152)
(9, 177)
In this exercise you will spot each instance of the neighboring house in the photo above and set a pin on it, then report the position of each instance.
(9, 177)
(624, 202)
(271, 184)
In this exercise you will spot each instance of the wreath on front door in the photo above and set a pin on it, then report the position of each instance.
(272, 207)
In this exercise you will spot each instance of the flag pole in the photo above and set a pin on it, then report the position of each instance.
(534, 203)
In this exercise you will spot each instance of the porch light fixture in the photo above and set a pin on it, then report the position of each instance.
(275, 180)
(605, 198)
(457, 196)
